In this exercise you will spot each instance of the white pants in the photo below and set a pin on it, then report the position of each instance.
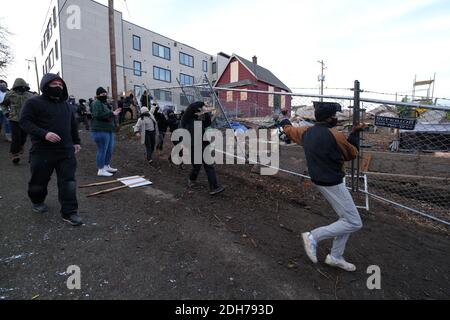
(342, 202)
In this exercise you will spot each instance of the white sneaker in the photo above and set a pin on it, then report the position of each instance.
(109, 169)
(340, 263)
(104, 173)
(310, 246)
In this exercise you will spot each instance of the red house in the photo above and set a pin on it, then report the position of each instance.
(248, 75)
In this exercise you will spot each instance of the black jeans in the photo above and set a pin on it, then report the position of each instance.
(210, 173)
(162, 137)
(150, 141)
(19, 138)
(43, 163)
(209, 169)
(84, 119)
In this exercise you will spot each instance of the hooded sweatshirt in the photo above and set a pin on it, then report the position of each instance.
(16, 98)
(43, 114)
(190, 118)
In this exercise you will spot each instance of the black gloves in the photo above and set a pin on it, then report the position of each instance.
(285, 122)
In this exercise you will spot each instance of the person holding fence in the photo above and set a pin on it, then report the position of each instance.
(326, 151)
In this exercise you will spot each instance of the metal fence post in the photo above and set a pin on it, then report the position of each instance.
(356, 121)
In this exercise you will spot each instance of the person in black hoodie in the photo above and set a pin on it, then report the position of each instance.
(163, 125)
(174, 124)
(196, 113)
(51, 124)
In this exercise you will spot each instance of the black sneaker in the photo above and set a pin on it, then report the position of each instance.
(40, 208)
(217, 191)
(191, 184)
(74, 220)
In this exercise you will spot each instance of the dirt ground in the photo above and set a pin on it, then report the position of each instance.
(168, 242)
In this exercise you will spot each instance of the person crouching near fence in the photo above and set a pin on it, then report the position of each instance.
(146, 129)
(326, 151)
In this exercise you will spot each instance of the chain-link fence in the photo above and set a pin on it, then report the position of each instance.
(404, 156)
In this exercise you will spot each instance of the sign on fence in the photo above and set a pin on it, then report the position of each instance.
(403, 124)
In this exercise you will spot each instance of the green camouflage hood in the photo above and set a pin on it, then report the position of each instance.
(20, 83)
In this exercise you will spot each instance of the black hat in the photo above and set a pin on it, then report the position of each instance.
(325, 110)
(100, 91)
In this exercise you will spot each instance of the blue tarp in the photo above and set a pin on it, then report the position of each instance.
(236, 126)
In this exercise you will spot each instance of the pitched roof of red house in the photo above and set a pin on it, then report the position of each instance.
(260, 73)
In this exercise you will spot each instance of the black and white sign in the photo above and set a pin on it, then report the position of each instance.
(403, 124)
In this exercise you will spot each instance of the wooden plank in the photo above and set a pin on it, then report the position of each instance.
(109, 182)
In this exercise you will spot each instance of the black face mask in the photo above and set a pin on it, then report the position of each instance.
(3, 89)
(21, 89)
(55, 92)
(103, 99)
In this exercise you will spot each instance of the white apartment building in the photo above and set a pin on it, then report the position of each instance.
(75, 44)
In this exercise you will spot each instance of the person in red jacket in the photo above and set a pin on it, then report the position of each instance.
(326, 151)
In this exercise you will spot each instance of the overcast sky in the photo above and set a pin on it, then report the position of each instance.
(382, 43)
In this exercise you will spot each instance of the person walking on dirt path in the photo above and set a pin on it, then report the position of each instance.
(174, 124)
(162, 126)
(196, 112)
(146, 129)
(326, 150)
(83, 112)
(4, 123)
(13, 103)
(52, 127)
(103, 128)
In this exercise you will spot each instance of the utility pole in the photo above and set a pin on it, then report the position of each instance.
(112, 45)
(322, 77)
(36, 70)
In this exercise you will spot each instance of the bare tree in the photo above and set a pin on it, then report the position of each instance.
(5, 50)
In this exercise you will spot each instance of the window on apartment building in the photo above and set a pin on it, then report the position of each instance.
(186, 100)
(56, 50)
(186, 80)
(47, 63)
(205, 66)
(244, 96)
(186, 60)
(214, 67)
(136, 43)
(54, 17)
(161, 51)
(50, 29)
(51, 60)
(163, 95)
(137, 66)
(162, 74)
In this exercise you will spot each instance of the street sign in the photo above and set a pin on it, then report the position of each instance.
(397, 123)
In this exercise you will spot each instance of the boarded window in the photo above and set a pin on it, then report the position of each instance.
(229, 96)
(244, 96)
(271, 97)
(234, 72)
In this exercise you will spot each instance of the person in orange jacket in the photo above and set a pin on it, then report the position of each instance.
(326, 151)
